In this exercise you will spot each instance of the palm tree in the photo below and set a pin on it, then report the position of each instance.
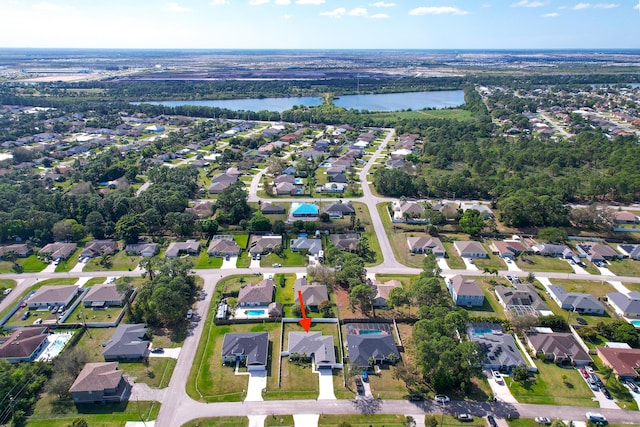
(148, 263)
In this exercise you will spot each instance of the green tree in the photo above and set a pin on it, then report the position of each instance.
(471, 222)
(326, 308)
(520, 374)
(552, 235)
(231, 206)
(259, 222)
(94, 222)
(129, 227)
(209, 227)
(79, 422)
(361, 295)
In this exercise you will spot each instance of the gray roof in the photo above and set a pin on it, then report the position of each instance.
(224, 246)
(267, 208)
(345, 242)
(259, 293)
(498, 347)
(259, 244)
(575, 300)
(253, 345)
(522, 294)
(97, 377)
(628, 303)
(549, 249)
(103, 292)
(559, 344)
(313, 343)
(59, 250)
(127, 342)
(469, 247)
(140, 248)
(362, 347)
(314, 246)
(431, 243)
(343, 208)
(467, 287)
(174, 249)
(53, 294)
(311, 294)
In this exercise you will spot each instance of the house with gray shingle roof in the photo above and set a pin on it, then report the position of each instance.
(58, 250)
(312, 294)
(498, 347)
(559, 347)
(378, 348)
(103, 296)
(190, 247)
(465, 292)
(222, 247)
(96, 248)
(630, 251)
(100, 383)
(251, 348)
(263, 244)
(129, 342)
(597, 252)
(382, 291)
(53, 296)
(345, 242)
(425, 245)
(626, 305)
(339, 210)
(469, 249)
(575, 301)
(316, 347)
(142, 249)
(522, 299)
(258, 295)
(313, 246)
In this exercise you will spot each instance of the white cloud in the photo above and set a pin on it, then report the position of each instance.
(583, 6)
(311, 2)
(528, 3)
(218, 2)
(382, 4)
(337, 13)
(637, 7)
(283, 2)
(380, 16)
(437, 10)
(286, 17)
(258, 2)
(358, 11)
(175, 7)
(551, 15)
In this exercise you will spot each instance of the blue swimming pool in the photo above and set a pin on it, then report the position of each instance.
(369, 332)
(480, 332)
(636, 323)
(255, 313)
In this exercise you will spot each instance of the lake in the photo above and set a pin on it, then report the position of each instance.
(378, 102)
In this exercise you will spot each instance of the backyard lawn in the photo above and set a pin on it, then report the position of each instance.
(49, 412)
(548, 388)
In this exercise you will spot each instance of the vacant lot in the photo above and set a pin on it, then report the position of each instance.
(625, 267)
(118, 262)
(543, 263)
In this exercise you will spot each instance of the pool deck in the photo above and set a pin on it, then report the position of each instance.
(48, 352)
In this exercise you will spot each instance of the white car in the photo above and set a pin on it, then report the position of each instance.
(441, 398)
(6, 291)
(497, 376)
(543, 420)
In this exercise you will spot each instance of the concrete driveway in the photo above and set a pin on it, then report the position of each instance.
(168, 352)
(306, 420)
(256, 420)
(442, 263)
(500, 391)
(326, 384)
(257, 382)
(255, 264)
(469, 264)
(512, 266)
(233, 260)
(576, 268)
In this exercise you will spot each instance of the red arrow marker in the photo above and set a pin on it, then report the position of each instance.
(305, 321)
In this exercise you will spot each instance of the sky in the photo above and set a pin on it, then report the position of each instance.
(321, 24)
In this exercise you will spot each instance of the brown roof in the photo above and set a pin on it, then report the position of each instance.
(504, 247)
(559, 344)
(623, 361)
(22, 342)
(97, 377)
(47, 294)
(103, 292)
(467, 287)
(259, 293)
(383, 290)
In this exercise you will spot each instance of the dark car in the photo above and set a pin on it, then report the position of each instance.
(581, 321)
(26, 315)
(607, 394)
(157, 350)
(416, 397)
(492, 421)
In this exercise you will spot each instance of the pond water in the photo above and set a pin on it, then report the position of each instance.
(378, 102)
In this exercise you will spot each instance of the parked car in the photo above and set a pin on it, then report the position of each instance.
(492, 421)
(596, 418)
(7, 291)
(497, 376)
(416, 397)
(465, 417)
(543, 420)
(441, 398)
(157, 350)
(37, 321)
(189, 314)
(25, 315)
(581, 321)
(593, 384)
(276, 265)
(632, 386)
(365, 376)
(607, 394)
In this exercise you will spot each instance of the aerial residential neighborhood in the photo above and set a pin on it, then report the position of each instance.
(155, 263)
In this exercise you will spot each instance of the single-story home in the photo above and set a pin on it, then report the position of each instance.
(58, 250)
(404, 209)
(312, 294)
(129, 342)
(345, 242)
(313, 246)
(287, 188)
(223, 246)
(339, 210)
(522, 299)
(575, 301)
(498, 347)
(332, 187)
(376, 348)
(302, 210)
(630, 251)
(53, 296)
(100, 383)
(508, 249)
(175, 249)
(425, 245)
(465, 292)
(314, 346)
(272, 209)
(251, 348)
(485, 211)
(96, 248)
(20, 250)
(23, 344)
(258, 295)
(597, 252)
(222, 181)
(560, 251)
(285, 178)
(103, 296)
(626, 305)
(381, 292)
(624, 361)
(624, 217)
(142, 249)
(263, 244)
(469, 249)
(560, 347)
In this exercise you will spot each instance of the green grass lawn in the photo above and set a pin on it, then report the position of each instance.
(625, 267)
(543, 263)
(209, 380)
(230, 286)
(491, 307)
(362, 213)
(454, 261)
(218, 422)
(454, 114)
(109, 314)
(288, 259)
(119, 261)
(70, 262)
(548, 388)
(385, 386)
(205, 261)
(31, 264)
(7, 283)
(16, 320)
(242, 240)
(491, 262)
(244, 260)
(156, 372)
(363, 420)
(49, 412)
(397, 235)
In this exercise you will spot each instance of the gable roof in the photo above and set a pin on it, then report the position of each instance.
(426, 243)
(498, 347)
(272, 208)
(99, 247)
(467, 287)
(522, 294)
(576, 300)
(343, 208)
(97, 377)
(103, 292)
(127, 342)
(304, 209)
(21, 343)
(142, 248)
(258, 293)
(627, 303)
(313, 343)
(175, 248)
(53, 294)
(363, 347)
(59, 250)
(264, 243)
(314, 246)
(507, 247)
(223, 246)
(253, 345)
(382, 290)
(469, 247)
(624, 361)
